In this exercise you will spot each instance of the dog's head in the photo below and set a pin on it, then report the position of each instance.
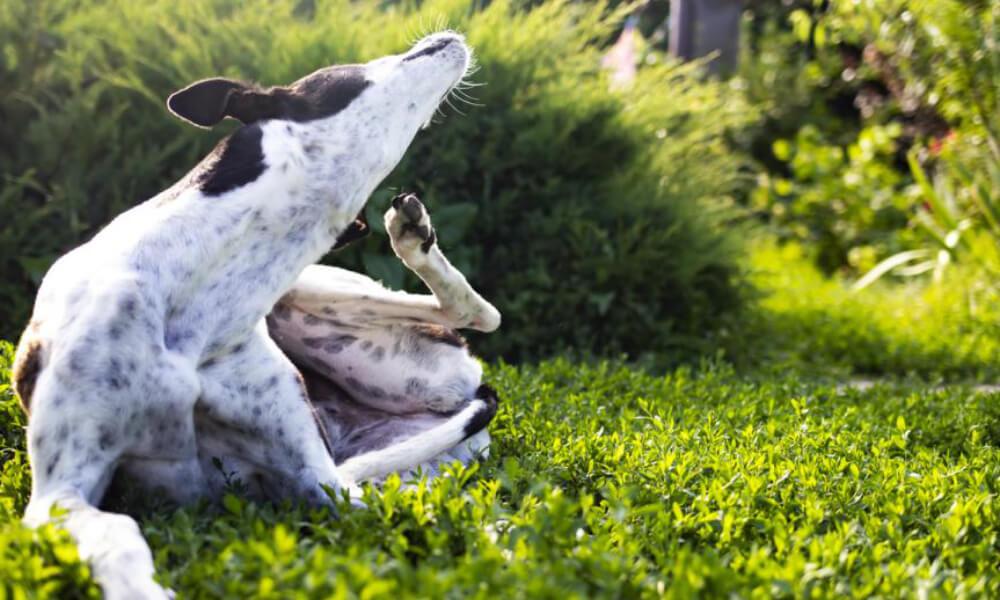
(375, 108)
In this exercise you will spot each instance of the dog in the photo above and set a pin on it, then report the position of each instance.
(193, 340)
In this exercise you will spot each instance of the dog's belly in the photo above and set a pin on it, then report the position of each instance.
(219, 465)
(180, 481)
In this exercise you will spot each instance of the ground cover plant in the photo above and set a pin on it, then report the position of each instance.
(606, 481)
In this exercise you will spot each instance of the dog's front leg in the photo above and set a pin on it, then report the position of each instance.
(254, 412)
(111, 543)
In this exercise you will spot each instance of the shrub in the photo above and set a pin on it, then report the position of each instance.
(594, 219)
(870, 81)
(850, 205)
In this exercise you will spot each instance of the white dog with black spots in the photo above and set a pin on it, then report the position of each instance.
(192, 340)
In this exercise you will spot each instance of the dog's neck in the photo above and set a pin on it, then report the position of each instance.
(252, 242)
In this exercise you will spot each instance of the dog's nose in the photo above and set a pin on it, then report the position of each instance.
(434, 44)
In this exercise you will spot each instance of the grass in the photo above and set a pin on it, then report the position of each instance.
(817, 325)
(607, 481)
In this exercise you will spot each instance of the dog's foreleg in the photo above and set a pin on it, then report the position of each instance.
(84, 419)
(110, 543)
(63, 491)
(254, 407)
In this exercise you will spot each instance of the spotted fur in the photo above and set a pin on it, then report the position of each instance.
(151, 354)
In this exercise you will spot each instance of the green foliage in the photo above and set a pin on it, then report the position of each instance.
(558, 196)
(959, 211)
(903, 74)
(851, 206)
(945, 51)
(14, 474)
(607, 482)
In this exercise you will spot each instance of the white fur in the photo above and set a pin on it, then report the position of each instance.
(154, 352)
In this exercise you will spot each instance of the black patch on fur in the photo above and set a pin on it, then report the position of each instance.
(437, 333)
(235, 162)
(27, 367)
(397, 200)
(482, 418)
(421, 231)
(331, 344)
(321, 94)
(115, 376)
(106, 438)
(127, 306)
(412, 208)
(281, 311)
(416, 386)
(357, 230)
(324, 93)
(429, 242)
(52, 464)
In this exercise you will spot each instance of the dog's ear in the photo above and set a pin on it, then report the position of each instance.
(204, 103)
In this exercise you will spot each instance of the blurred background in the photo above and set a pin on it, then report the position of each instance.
(777, 184)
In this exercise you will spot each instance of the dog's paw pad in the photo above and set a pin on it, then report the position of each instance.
(409, 225)
(411, 206)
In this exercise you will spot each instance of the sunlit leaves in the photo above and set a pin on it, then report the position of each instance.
(607, 482)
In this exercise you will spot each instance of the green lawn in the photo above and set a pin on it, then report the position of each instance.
(605, 481)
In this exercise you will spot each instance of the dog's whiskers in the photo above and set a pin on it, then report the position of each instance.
(462, 96)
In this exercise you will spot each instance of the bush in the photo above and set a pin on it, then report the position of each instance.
(852, 88)
(594, 219)
(849, 205)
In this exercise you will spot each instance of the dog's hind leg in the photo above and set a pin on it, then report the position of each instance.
(333, 294)
(369, 443)
(394, 354)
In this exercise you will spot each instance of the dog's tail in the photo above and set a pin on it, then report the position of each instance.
(426, 445)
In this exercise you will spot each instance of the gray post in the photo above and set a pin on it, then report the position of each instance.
(700, 27)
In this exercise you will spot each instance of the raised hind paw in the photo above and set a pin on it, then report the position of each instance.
(410, 230)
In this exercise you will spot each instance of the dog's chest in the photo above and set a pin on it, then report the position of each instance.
(218, 295)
